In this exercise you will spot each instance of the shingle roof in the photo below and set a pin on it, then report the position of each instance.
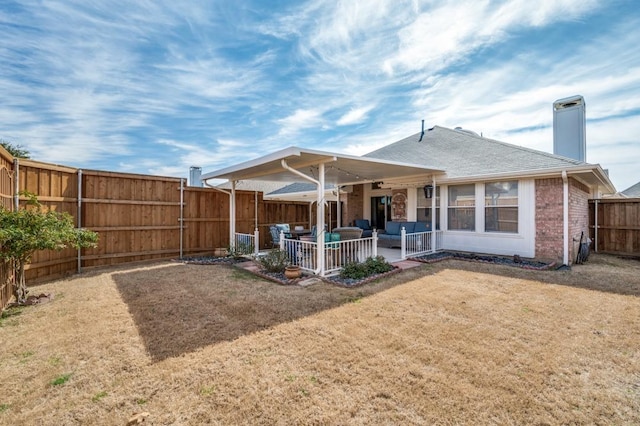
(298, 187)
(633, 191)
(463, 154)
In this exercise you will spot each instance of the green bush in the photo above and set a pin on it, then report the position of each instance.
(274, 261)
(371, 266)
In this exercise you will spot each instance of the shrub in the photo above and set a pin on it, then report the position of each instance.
(274, 261)
(371, 266)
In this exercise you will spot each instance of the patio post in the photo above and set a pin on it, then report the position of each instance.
(320, 220)
(256, 241)
(374, 234)
(433, 217)
(232, 216)
(403, 243)
(338, 209)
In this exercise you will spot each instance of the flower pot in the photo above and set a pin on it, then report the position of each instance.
(220, 252)
(292, 272)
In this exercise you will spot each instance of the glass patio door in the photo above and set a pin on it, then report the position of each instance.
(380, 211)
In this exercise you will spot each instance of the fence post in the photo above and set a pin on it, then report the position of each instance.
(403, 243)
(16, 184)
(282, 240)
(79, 218)
(181, 220)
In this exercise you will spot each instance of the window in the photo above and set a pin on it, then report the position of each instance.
(424, 207)
(501, 207)
(462, 207)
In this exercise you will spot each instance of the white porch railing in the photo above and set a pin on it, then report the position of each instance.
(247, 243)
(420, 243)
(336, 253)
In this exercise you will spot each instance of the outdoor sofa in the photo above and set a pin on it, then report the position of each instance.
(390, 237)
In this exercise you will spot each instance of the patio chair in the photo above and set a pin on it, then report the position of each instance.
(275, 236)
(284, 227)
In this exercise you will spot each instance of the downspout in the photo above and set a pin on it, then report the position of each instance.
(596, 226)
(338, 209)
(565, 218)
(319, 212)
(231, 205)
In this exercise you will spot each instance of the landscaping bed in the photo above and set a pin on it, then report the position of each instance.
(499, 260)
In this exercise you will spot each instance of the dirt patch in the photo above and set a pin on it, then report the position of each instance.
(449, 343)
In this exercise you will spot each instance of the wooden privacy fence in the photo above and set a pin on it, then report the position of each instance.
(615, 225)
(138, 217)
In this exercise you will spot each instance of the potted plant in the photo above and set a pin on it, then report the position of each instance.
(292, 272)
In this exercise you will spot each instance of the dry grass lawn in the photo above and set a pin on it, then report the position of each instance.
(449, 343)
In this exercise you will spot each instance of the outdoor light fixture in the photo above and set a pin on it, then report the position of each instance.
(428, 191)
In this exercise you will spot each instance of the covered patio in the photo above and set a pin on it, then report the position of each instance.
(324, 170)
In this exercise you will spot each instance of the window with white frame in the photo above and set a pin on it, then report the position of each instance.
(461, 208)
(425, 209)
(501, 207)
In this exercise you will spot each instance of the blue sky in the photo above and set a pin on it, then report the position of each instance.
(158, 86)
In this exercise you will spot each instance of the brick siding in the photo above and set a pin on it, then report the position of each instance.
(549, 217)
(353, 205)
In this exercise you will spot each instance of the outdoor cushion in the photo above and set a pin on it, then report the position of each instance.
(363, 224)
(408, 227)
(422, 227)
(393, 228)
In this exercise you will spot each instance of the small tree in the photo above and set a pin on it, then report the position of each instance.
(15, 150)
(27, 230)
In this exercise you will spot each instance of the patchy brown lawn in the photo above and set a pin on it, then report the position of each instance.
(449, 343)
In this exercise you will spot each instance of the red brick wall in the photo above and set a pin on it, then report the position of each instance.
(549, 217)
(353, 206)
(578, 215)
(549, 231)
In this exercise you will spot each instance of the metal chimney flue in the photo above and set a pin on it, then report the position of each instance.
(194, 176)
(569, 128)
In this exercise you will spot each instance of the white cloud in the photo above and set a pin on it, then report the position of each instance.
(354, 116)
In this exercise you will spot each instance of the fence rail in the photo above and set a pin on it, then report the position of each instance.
(138, 217)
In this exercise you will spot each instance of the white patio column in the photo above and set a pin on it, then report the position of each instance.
(232, 216)
(320, 220)
(433, 217)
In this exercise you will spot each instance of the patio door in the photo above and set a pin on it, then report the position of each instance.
(380, 211)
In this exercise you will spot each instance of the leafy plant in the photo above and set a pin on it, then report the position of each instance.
(241, 249)
(377, 265)
(4, 407)
(27, 230)
(371, 266)
(60, 380)
(274, 261)
(15, 150)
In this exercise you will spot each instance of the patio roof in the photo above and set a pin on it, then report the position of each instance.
(339, 169)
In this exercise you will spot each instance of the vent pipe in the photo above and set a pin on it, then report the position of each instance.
(422, 133)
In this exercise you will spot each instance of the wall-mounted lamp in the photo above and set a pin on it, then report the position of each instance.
(428, 191)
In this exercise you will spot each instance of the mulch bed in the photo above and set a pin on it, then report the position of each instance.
(515, 261)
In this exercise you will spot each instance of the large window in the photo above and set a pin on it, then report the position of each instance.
(424, 207)
(462, 207)
(501, 207)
